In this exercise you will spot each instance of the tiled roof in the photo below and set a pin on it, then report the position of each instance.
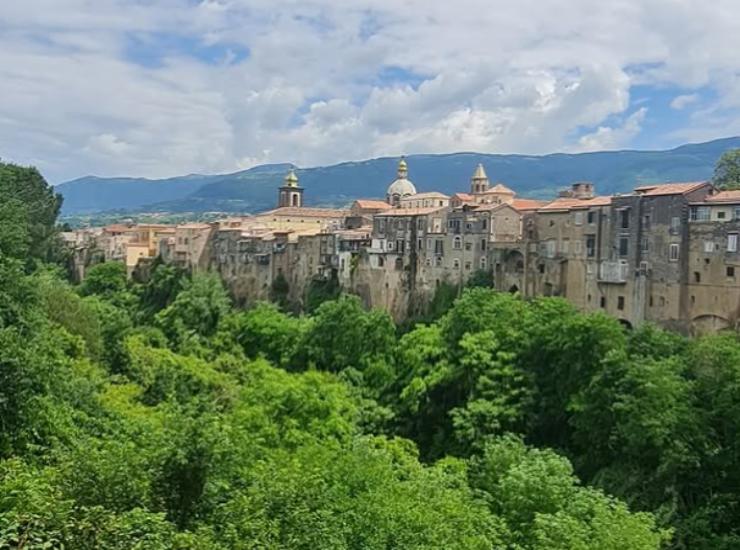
(528, 204)
(463, 196)
(194, 226)
(305, 212)
(500, 188)
(569, 203)
(117, 228)
(669, 188)
(426, 195)
(372, 204)
(411, 211)
(493, 206)
(725, 196)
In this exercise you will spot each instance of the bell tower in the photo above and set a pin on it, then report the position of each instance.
(290, 193)
(479, 182)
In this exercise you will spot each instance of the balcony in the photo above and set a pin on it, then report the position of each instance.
(613, 272)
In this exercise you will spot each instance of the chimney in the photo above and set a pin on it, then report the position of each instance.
(582, 190)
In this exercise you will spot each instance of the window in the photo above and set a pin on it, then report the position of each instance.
(578, 218)
(390, 245)
(428, 262)
(456, 263)
(620, 302)
(542, 268)
(624, 246)
(381, 261)
(675, 223)
(721, 215)
(438, 261)
(730, 271)
(483, 244)
(737, 212)
(590, 246)
(468, 246)
(644, 245)
(708, 247)
(420, 244)
(457, 243)
(624, 218)
(697, 277)
(699, 213)
(468, 226)
(732, 242)
(602, 301)
(484, 223)
(550, 248)
(468, 265)
(439, 247)
(591, 216)
(400, 246)
(673, 252)
(646, 221)
(482, 263)
(420, 224)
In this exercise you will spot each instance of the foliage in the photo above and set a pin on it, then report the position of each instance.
(321, 290)
(28, 213)
(727, 171)
(154, 415)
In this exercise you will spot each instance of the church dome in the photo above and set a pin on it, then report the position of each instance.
(401, 186)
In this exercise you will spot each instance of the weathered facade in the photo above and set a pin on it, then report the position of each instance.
(662, 253)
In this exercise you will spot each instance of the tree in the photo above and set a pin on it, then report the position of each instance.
(105, 280)
(31, 199)
(727, 171)
(196, 311)
(280, 291)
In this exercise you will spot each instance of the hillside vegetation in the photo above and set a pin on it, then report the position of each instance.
(155, 416)
(256, 189)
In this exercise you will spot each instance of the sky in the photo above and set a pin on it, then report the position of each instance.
(160, 88)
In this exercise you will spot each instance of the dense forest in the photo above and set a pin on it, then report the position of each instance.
(155, 415)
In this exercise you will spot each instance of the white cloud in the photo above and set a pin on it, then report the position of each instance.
(611, 137)
(680, 102)
(496, 78)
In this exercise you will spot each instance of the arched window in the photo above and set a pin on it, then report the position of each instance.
(457, 243)
(482, 263)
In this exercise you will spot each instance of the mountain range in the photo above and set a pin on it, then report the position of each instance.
(256, 189)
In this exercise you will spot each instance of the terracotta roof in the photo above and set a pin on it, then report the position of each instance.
(372, 204)
(725, 196)
(528, 204)
(426, 195)
(492, 207)
(669, 188)
(463, 196)
(500, 188)
(411, 211)
(194, 226)
(305, 212)
(569, 203)
(117, 228)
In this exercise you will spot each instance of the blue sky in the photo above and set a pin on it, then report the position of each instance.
(166, 87)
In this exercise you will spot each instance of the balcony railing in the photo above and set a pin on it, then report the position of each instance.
(613, 272)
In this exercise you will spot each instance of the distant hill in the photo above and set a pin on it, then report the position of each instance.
(256, 189)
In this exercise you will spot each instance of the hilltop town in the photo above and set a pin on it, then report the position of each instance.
(664, 253)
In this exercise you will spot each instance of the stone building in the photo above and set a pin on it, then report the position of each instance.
(664, 253)
(714, 263)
